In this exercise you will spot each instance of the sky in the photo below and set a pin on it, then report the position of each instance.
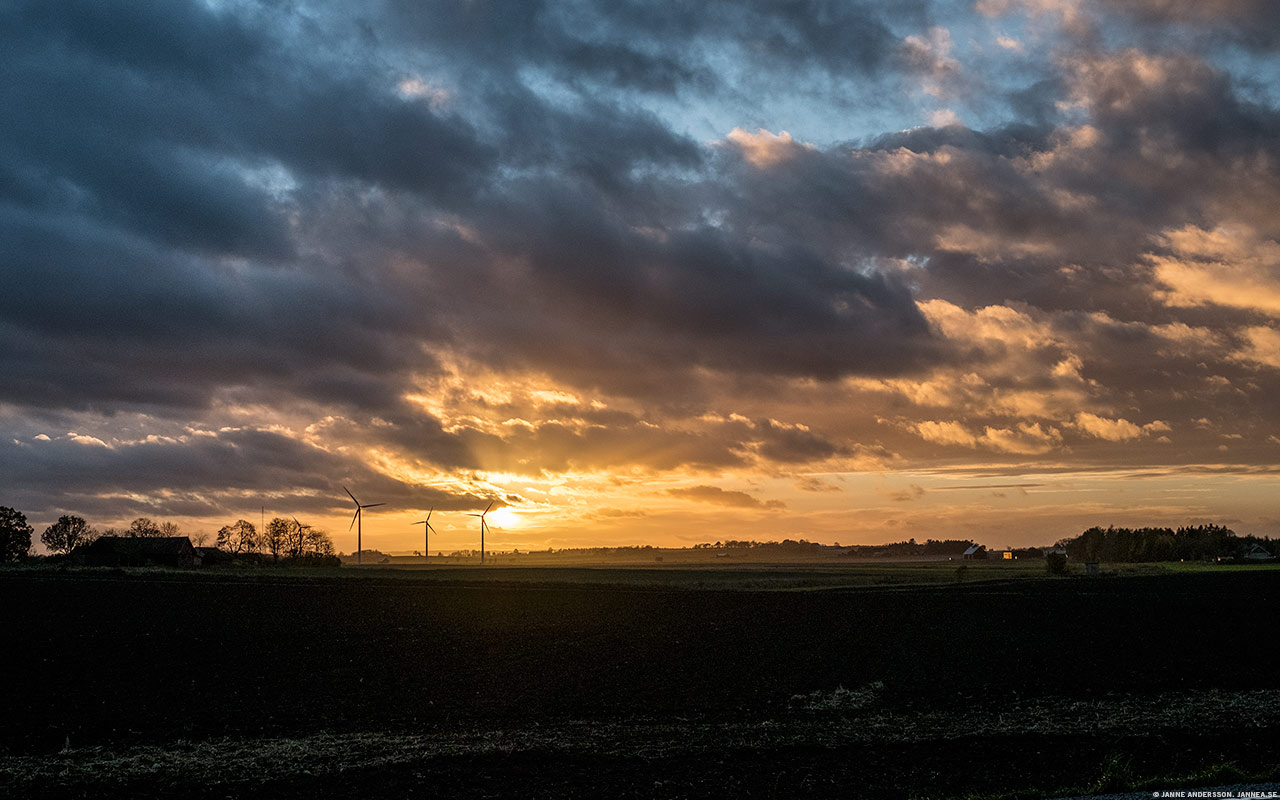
(852, 272)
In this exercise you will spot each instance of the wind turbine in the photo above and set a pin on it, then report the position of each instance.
(302, 535)
(484, 526)
(356, 519)
(426, 535)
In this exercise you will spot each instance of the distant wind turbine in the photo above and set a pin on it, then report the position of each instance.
(356, 519)
(484, 526)
(426, 534)
(302, 535)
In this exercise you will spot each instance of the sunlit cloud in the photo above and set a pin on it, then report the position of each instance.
(765, 149)
(1229, 266)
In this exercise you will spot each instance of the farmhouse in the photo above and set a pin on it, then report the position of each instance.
(210, 556)
(975, 551)
(137, 551)
(1257, 553)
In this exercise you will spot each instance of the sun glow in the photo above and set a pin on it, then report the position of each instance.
(505, 517)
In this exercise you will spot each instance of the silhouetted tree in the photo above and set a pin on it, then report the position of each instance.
(169, 529)
(1157, 544)
(238, 537)
(1055, 564)
(15, 534)
(67, 534)
(318, 542)
(144, 527)
(276, 538)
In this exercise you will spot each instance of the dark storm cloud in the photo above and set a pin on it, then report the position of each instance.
(574, 438)
(724, 497)
(1251, 23)
(182, 76)
(635, 44)
(791, 444)
(700, 297)
(1060, 217)
(92, 317)
(169, 156)
(209, 473)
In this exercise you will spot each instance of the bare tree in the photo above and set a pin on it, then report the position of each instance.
(169, 529)
(68, 533)
(276, 538)
(238, 537)
(144, 527)
(318, 542)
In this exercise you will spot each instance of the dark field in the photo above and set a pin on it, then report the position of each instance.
(388, 685)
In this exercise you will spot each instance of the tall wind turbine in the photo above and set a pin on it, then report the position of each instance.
(302, 535)
(356, 519)
(484, 526)
(426, 535)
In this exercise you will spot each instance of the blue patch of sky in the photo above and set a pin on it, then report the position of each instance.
(816, 106)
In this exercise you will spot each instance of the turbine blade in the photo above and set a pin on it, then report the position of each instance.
(352, 496)
(353, 520)
(373, 505)
(491, 502)
(430, 528)
(433, 508)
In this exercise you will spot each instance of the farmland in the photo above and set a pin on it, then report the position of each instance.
(777, 680)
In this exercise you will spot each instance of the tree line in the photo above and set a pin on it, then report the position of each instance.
(281, 539)
(929, 547)
(1198, 543)
(785, 544)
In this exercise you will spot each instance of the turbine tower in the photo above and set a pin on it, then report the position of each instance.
(484, 526)
(426, 535)
(356, 519)
(302, 535)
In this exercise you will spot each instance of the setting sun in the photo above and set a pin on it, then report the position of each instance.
(505, 517)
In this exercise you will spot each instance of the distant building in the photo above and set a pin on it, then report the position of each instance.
(210, 556)
(137, 551)
(975, 551)
(1007, 555)
(1257, 553)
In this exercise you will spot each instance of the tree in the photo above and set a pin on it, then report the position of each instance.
(68, 533)
(318, 542)
(144, 527)
(15, 534)
(169, 529)
(277, 536)
(238, 537)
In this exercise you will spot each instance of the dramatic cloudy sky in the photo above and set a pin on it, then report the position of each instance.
(643, 272)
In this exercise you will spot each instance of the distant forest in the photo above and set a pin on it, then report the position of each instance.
(1130, 545)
